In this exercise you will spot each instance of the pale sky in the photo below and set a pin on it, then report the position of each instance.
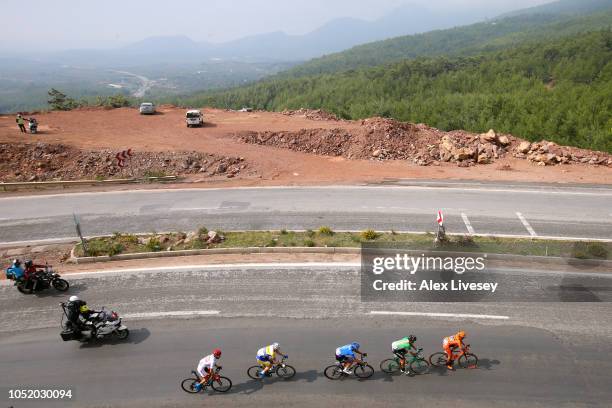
(67, 24)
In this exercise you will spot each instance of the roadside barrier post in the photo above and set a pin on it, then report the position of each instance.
(78, 230)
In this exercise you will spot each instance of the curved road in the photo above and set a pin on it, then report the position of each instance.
(524, 210)
(539, 353)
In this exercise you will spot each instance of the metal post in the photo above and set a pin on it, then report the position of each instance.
(78, 230)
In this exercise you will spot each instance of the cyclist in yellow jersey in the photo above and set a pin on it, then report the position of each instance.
(266, 357)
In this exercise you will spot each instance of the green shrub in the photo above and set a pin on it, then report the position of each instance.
(589, 250)
(97, 247)
(355, 238)
(115, 249)
(310, 233)
(284, 232)
(203, 231)
(154, 245)
(369, 235)
(325, 230)
(465, 241)
(198, 243)
(129, 239)
(598, 250)
(309, 243)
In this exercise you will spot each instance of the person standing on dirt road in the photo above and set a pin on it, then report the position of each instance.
(20, 123)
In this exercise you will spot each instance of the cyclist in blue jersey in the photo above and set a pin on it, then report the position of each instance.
(346, 356)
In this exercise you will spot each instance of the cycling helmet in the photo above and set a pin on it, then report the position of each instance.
(355, 346)
(412, 338)
(17, 262)
(217, 353)
(275, 346)
(29, 263)
(461, 334)
(73, 298)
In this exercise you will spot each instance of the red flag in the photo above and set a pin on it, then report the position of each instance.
(440, 218)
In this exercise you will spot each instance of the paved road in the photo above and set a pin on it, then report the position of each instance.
(551, 354)
(487, 209)
(319, 291)
(519, 366)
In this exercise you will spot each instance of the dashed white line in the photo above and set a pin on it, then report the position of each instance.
(452, 315)
(526, 224)
(178, 313)
(468, 225)
(195, 209)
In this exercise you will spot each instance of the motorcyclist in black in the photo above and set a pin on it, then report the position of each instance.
(75, 310)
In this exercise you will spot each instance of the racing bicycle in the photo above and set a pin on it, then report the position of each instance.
(416, 362)
(361, 369)
(216, 382)
(465, 358)
(282, 370)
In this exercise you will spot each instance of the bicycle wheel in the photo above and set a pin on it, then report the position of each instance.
(188, 385)
(333, 372)
(223, 384)
(468, 360)
(390, 366)
(419, 366)
(253, 372)
(364, 371)
(438, 359)
(285, 372)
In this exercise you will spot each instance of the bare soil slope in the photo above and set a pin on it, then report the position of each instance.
(301, 147)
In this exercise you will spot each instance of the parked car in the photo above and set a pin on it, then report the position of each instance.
(194, 118)
(147, 108)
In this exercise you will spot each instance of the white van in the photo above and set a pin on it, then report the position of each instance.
(194, 118)
(147, 108)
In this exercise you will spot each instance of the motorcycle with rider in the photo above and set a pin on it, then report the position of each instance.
(81, 323)
(31, 278)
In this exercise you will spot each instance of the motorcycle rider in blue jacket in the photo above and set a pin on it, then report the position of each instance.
(15, 271)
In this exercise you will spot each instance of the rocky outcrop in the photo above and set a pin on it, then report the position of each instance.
(387, 139)
(48, 161)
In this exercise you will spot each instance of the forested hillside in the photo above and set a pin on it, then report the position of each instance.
(459, 41)
(558, 90)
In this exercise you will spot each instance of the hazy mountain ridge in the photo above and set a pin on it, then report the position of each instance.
(549, 20)
(334, 36)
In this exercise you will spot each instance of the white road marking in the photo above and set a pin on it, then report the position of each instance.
(214, 266)
(454, 315)
(526, 224)
(536, 190)
(467, 223)
(178, 313)
(196, 208)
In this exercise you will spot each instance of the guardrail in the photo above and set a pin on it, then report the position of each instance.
(64, 184)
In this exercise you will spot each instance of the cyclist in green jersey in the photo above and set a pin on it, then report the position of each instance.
(401, 347)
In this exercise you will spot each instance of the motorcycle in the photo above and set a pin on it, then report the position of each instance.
(33, 125)
(45, 278)
(98, 326)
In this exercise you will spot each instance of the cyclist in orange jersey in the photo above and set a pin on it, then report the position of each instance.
(450, 343)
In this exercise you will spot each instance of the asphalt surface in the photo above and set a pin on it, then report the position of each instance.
(520, 210)
(519, 366)
(547, 353)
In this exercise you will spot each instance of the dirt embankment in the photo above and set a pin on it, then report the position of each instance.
(46, 161)
(304, 147)
(386, 139)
